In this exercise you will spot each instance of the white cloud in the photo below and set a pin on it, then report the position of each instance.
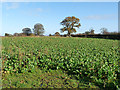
(36, 11)
(12, 6)
(100, 17)
(33, 12)
(2, 0)
(39, 10)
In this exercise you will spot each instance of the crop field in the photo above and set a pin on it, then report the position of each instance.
(92, 62)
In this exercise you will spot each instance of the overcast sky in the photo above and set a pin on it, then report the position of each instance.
(18, 15)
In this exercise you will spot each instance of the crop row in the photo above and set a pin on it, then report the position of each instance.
(94, 59)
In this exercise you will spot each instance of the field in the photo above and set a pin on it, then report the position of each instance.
(56, 62)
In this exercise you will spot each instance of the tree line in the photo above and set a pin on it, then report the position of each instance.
(38, 30)
(70, 24)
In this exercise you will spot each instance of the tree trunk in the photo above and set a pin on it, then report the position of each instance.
(69, 34)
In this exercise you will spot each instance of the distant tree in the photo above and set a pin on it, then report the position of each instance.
(50, 34)
(27, 31)
(87, 32)
(16, 34)
(57, 34)
(114, 33)
(69, 23)
(38, 29)
(92, 31)
(21, 34)
(104, 30)
(32, 34)
(6, 34)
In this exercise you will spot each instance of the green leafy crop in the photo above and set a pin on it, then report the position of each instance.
(96, 60)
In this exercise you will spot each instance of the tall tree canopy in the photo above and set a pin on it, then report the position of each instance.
(27, 31)
(69, 23)
(38, 29)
